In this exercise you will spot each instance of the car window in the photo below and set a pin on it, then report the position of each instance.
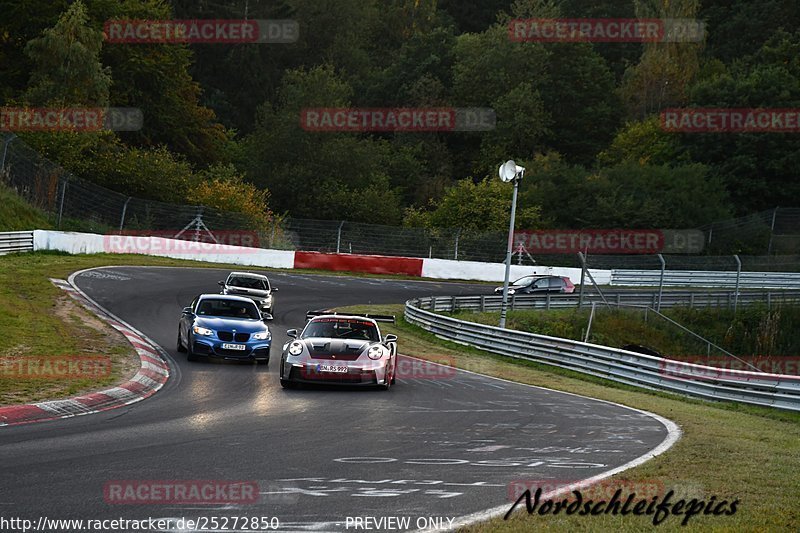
(342, 329)
(247, 282)
(556, 283)
(541, 284)
(228, 309)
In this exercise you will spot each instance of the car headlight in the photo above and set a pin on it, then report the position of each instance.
(203, 331)
(264, 335)
(296, 348)
(376, 352)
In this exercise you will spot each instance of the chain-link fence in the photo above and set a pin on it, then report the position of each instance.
(74, 203)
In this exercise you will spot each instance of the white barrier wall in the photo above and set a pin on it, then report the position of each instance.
(449, 269)
(87, 243)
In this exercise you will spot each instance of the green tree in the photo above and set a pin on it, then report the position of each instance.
(475, 207)
(758, 169)
(66, 63)
(644, 142)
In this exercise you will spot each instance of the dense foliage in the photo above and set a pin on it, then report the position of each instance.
(223, 121)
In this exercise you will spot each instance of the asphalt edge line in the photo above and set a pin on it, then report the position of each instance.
(151, 376)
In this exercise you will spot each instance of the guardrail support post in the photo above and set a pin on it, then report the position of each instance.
(738, 280)
(483, 303)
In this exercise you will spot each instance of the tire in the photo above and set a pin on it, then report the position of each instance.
(264, 362)
(181, 348)
(190, 356)
(288, 384)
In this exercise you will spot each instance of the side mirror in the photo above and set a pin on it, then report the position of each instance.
(266, 316)
(274, 289)
(187, 311)
(221, 283)
(292, 333)
(390, 338)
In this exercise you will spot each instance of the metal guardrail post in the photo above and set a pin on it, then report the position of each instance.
(738, 280)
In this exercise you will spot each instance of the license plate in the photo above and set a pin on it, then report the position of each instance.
(332, 368)
(240, 347)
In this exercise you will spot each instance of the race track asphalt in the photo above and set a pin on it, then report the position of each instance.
(427, 448)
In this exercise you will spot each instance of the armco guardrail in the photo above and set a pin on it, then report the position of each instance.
(757, 388)
(706, 278)
(725, 299)
(16, 241)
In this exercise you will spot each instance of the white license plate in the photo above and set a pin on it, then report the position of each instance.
(240, 347)
(332, 368)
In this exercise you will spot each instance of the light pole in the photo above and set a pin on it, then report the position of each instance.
(509, 172)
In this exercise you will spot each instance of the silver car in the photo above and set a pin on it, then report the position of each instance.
(253, 286)
(342, 350)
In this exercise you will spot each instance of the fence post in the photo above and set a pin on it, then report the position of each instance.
(772, 231)
(483, 303)
(738, 279)
(583, 279)
(661, 281)
(124, 210)
(339, 237)
(61, 202)
(5, 151)
(455, 254)
(589, 326)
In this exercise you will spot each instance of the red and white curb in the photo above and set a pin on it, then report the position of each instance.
(152, 375)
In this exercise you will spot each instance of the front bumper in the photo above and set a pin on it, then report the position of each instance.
(254, 351)
(357, 373)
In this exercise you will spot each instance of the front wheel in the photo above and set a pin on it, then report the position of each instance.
(180, 344)
(288, 384)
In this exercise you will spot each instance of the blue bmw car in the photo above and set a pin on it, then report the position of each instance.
(224, 327)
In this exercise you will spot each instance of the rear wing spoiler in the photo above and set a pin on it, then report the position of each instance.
(376, 318)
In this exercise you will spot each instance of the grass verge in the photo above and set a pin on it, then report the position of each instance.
(727, 450)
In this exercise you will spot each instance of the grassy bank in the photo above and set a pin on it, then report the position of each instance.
(727, 450)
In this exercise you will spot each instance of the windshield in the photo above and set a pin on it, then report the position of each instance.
(524, 281)
(247, 282)
(341, 329)
(228, 309)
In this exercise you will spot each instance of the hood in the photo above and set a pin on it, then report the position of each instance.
(341, 349)
(248, 292)
(229, 324)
